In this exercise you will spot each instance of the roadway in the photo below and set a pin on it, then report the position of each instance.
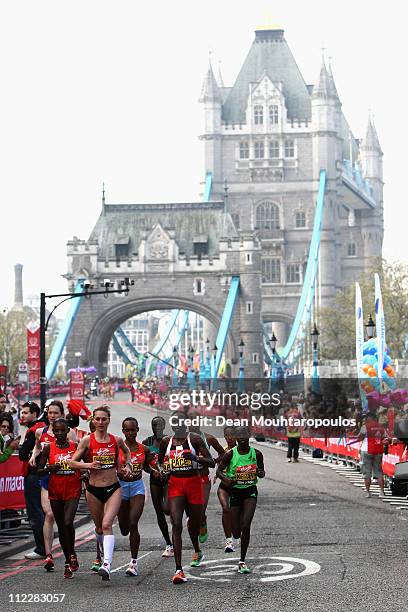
(317, 545)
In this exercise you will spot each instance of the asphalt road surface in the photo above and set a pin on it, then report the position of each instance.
(317, 545)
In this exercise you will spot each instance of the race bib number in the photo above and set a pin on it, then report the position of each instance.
(246, 473)
(106, 461)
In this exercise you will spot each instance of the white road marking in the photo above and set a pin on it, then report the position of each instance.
(126, 564)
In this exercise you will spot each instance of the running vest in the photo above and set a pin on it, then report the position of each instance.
(178, 464)
(137, 459)
(104, 452)
(62, 456)
(373, 441)
(243, 469)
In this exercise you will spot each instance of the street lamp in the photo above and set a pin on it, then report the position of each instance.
(174, 368)
(273, 342)
(78, 356)
(241, 386)
(207, 360)
(88, 291)
(214, 360)
(370, 328)
(315, 376)
(190, 374)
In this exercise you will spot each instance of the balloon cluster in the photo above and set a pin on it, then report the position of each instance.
(370, 369)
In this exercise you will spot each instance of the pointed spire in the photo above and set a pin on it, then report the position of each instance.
(332, 83)
(371, 140)
(210, 90)
(220, 80)
(325, 87)
(103, 194)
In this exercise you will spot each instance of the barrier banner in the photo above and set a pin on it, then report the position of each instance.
(33, 358)
(11, 484)
(76, 385)
(3, 378)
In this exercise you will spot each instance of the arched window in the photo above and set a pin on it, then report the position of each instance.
(267, 216)
(300, 218)
(258, 114)
(273, 114)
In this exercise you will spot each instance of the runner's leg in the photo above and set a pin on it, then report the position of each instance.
(48, 528)
(177, 505)
(194, 520)
(247, 514)
(110, 512)
(123, 517)
(156, 493)
(70, 509)
(135, 512)
(57, 506)
(223, 497)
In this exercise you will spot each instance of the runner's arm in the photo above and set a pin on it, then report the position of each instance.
(149, 457)
(80, 452)
(222, 466)
(127, 469)
(162, 451)
(212, 441)
(203, 456)
(260, 464)
(43, 468)
(72, 436)
(37, 448)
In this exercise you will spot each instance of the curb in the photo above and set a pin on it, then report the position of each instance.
(12, 550)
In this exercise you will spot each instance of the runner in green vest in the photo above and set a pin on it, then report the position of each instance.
(239, 469)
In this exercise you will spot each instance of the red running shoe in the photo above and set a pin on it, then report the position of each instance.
(73, 562)
(179, 577)
(68, 571)
(49, 563)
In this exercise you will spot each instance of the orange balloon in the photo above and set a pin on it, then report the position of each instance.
(366, 367)
(369, 387)
(372, 372)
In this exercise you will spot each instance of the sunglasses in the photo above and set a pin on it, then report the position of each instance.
(7, 426)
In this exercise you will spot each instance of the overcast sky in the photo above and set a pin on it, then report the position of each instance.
(95, 91)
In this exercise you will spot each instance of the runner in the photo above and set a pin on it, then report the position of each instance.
(209, 441)
(64, 489)
(239, 470)
(158, 486)
(185, 453)
(223, 494)
(95, 567)
(133, 490)
(43, 437)
(100, 451)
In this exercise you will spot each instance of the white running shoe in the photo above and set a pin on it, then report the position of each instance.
(168, 551)
(104, 571)
(132, 569)
(229, 546)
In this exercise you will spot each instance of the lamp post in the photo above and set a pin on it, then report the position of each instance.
(78, 355)
(273, 342)
(315, 376)
(370, 328)
(214, 359)
(241, 383)
(108, 287)
(190, 372)
(175, 365)
(207, 361)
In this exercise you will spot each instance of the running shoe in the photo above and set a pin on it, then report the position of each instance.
(49, 563)
(229, 546)
(179, 577)
(68, 572)
(73, 562)
(132, 569)
(203, 537)
(243, 568)
(168, 551)
(104, 571)
(197, 558)
(96, 565)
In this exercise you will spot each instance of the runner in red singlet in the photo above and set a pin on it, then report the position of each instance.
(45, 436)
(133, 490)
(185, 453)
(100, 451)
(64, 489)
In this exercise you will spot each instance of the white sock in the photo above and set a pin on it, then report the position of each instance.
(108, 546)
(99, 538)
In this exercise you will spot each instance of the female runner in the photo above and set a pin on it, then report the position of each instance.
(64, 489)
(184, 452)
(44, 436)
(100, 452)
(158, 486)
(133, 490)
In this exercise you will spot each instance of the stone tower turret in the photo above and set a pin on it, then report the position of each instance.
(211, 100)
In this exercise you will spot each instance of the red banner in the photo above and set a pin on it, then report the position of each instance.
(33, 358)
(11, 484)
(76, 385)
(3, 378)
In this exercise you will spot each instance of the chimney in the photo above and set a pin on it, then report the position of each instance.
(18, 285)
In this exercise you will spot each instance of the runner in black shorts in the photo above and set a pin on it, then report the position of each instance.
(239, 469)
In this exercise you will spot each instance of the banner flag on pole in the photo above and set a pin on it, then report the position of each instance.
(380, 326)
(359, 330)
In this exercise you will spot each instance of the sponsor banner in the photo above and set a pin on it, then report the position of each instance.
(11, 484)
(76, 385)
(380, 326)
(3, 378)
(33, 358)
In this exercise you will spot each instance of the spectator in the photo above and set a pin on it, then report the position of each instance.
(29, 414)
(7, 444)
(373, 436)
(293, 432)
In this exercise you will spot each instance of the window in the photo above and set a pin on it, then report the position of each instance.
(235, 219)
(258, 114)
(249, 307)
(300, 219)
(289, 148)
(293, 273)
(199, 286)
(243, 150)
(274, 149)
(351, 249)
(121, 250)
(271, 270)
(255, 357)
(200, 249)
(259, 150)
(248, 258)
(267, 216)
(274, 114)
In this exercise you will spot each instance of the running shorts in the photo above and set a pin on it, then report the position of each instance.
(189, 487)
(44, 481)
(64, 487)
(238, 496)
(205, 478)
(130, 489)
